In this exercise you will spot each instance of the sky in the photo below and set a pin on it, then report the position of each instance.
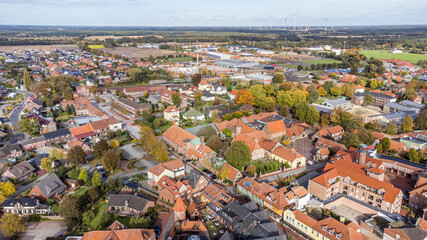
(212, 12)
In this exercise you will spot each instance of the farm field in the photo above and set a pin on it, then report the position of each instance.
(109, 36)
(23, 48)
(133, 52)
(383, 54)
(180, 59)
(321, 61)
(96, 46)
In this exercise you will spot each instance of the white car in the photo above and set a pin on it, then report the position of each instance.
(310, 163)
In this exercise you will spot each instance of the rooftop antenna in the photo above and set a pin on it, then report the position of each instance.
(326, 23)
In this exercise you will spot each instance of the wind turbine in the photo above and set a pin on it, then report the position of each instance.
(286, 21)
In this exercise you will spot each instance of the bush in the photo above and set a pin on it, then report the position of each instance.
(34, 218)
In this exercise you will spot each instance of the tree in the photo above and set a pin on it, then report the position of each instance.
(223, 174)
(385, 143)
(278, 77)
(198, 96)
(207, 132)
(176, 99)
(379, 148)
(146, 138)
(339, 116)
(322, 91)
(328, 85)
(46, 164)
(412, 155)
(300, 68)
(215, 143)
(70, 210)
(76, 156)
(284, 110)
(227, 132)
(407, 125)
(88, 216)
(366, 136)
(100, 148)
(251, 169)
(26, 78)
(238, 155)
(111, 160)
(114, 144)
(7, 189)
(420, 120)
(12, 224)
(30, 126)
(96, 179)
(83, 175)
(196, 79)
(348, 89)
(336, 91)
(350, 139)
(368, 98)
(93, 193)
(56, 154)
(391, 128)
(291, 98)
(410, 94)
(307, 113)
(140, 222)
(159, 150)
(313, 96)
(244, 96)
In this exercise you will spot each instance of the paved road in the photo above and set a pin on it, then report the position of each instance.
(42, 230)
(294, 172)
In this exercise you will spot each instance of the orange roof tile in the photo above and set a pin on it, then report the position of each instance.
(276, 126)
(286, 153)
(178, 135)
(179, 205)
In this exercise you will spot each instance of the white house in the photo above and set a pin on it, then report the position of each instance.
(172, 169)
(207, 96)
(193, 114)
(218, 89)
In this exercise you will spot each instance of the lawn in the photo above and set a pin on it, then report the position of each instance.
(380, 54)
(96, 46)
(180, 59)
(290, 66)
(321, 61)
(165, 127)
(64, 118)
(99, 210)
(80, 192)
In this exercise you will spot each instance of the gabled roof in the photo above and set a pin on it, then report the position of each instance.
(82, 131)
(276, 126)
(123, 234)
(59, 133)
(179, 205)
(178, 135)
(51, 185)
(286, 153)
(21, 169)
(132, 201)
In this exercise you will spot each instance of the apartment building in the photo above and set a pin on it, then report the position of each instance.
(379, 98)
(134, 107)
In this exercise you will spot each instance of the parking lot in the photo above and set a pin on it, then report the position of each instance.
(130, 152)
(42, 230)
(305, 147)
(348, 213)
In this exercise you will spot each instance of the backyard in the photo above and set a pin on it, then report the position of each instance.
(99, 210)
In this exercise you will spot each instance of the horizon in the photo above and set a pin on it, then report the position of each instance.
(221, 13)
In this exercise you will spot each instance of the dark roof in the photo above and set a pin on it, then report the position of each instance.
(135, 105)
(58, 133)
(134, 202)
(26, 202)
(21, 169)
(7, 150)
(193, 178)
(130, 184)
(51, 185)
(207, 94)
(227, 236)
(373, 94)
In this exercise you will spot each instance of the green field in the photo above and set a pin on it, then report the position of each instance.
(180, 59)
(99, 210)
(290, 66)
(96, 46)
(380, 54)
(80, 192)
(321, 61)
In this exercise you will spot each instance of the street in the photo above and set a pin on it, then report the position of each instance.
(293, 172)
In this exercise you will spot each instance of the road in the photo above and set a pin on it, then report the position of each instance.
(293, 172)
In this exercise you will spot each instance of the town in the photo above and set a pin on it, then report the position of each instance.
(212, 141)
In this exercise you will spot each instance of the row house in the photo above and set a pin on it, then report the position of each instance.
(11, 151)
(418, 195)
(288, 156)
(33, 143)
(253, 141)
(275, 129)
(166, 97)
(134, 107)
(58, 137)
(379, 98)
(215, 197)
(326, 143)
(335, 133)
(104, 126)
(46, 125)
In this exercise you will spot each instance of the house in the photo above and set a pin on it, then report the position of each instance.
(79, 143)
(295, 132)
(380, 99)
(83, 91)
(248, 222)
(134, 107)
(58, 137)
(336, 103)
(335, 133)
(49, 187)
(418, 196)
(20, 171)
(299, 196)
(233, 174)
(195, 227)
(322, 154)
(33, 143)
(197, 182)
(32, 102)
(275, 129)
(172, 169)
(264, 195)
(213, 194)
(323, 142)
(204, 85)
(171, 113)
(405, 233)
(128, 204)
(46, 125)
(166, 97)
(11, 151)
(85, 131)
(170, 189)
(25, 206)
(218, 89)
(253, 140)
(103, 126)
(194, 115)
(359, 181)
(288, 156)
(207, 96)
(327, 228)
(130, 187)
(121, 234)
(186, 143)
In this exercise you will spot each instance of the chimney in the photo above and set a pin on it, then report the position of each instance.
(202, 139)
(254, 223)
(126, 203)
(362, 158)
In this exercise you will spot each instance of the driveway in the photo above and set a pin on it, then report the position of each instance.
(42, 230)
(130, 152)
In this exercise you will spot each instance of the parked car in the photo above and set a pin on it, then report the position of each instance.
(310, 163)
(99, 166)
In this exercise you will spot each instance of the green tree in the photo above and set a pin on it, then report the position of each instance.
(12, 224)
(391, 128)
(196, 79)
(46, 164)
(410, 94)
(96, 179)
(336, 91)
(176, 99)
(29, 126)
(328, 85)
(251, 170)
(111, 160)
(307, 113)
(206, 132)
(278, 77)
(368, 98)
(83, 175)
(284, 111)
(238, 155)
(76, 156)
(227, 132)
(100, 148)
(420, 121)
(350, 139)
(366, 136)
(87, 217)
(114, 144)
(93, 193)
(313, 96)
(70, 210)
(407, 125)
(28, 81)
(412, 155)
(385, 143)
